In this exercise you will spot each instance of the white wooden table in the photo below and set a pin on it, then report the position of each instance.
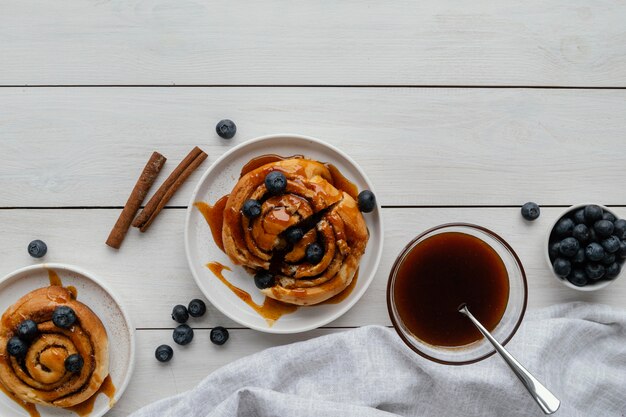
(456, 110)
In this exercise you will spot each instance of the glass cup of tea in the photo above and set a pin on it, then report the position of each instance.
(443, 268)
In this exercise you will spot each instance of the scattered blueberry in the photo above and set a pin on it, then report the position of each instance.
(553, 250)
(622, 249)
(608, 216)
(226, 129)
(611, 244)
(620, 228)
(593, 213)
(568, 247)
(63, 317)
(603, 228)
(530, 211)
(164, 353)
(367, 201)
(562, 267)
(74, 363)
(578, 278)
(609, 258)
(581, 233)
(594, 252)
(263, 279)
(180, 314)
(612, 270)
(579, 258)
(219, 335)
(251, 208)
(37, 248)
(564, 227)
(579, 216)
(294, 235)
(196, 308)
(17, 347)
(276, 182)
(183, 334)
(594, 271)
(27, 330)
(314, 253)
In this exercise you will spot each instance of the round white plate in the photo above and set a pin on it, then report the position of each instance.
(95, 294)
(218, 181)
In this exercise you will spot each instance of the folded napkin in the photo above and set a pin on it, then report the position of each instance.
(577, 350)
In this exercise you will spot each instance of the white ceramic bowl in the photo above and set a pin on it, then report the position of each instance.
(218, 181)
(590, 287)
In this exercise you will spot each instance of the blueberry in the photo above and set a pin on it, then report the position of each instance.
(17, 347)
(612, 270)
(579, 258)
(594, 271)
(593, 213)
(314, 253)
(530, 211)
(263, 279)
(183, 334)
(562, 267)
(579, 216)
(196, 308)
(251, 208)
(603, 228)
(608, 259)
(367, 201)
(620, 228)
(622, 250)
(27, 330)
(568, 247)
(608, 216)
(581, 233)
(593, 237)
(74, 363)
(611, 244)
(226, 129)
(219, 335)
(180, 314)
(578, 278)
(163, 353)
(276, 182)
(564, 227)
(553, 250)
(294, 235)
(594, 252)
(37, 248)
(63, 317)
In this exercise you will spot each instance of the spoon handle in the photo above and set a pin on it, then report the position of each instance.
(542, 396)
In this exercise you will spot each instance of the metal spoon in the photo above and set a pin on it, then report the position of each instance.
(542, 396)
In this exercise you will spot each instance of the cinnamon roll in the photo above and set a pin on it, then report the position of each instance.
(300, 235)
(53, 349)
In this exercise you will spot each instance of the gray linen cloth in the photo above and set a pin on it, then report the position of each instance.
(577, 350)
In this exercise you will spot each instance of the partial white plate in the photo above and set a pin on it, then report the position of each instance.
(218, 181)
(95, 294)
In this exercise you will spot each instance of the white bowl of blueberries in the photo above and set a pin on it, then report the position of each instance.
(587, 247)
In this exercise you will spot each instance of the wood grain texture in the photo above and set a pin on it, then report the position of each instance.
(151, 275)
(85, 146)
(354, 42)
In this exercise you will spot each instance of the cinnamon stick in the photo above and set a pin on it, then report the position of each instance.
(142, 186)
(168, 188)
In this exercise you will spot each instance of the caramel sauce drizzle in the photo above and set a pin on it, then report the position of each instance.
(271, 310)
(55, 281)
(86, 407)
(214, 216)
(336, 299)
(29, 407)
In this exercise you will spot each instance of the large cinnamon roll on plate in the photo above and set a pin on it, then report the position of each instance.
(64, 341)
(305, 247)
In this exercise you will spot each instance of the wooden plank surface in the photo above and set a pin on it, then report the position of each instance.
(86, 146)
(151, 275)
(355, 42)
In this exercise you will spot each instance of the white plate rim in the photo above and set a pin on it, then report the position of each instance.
(119, 391)
(350, 303)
